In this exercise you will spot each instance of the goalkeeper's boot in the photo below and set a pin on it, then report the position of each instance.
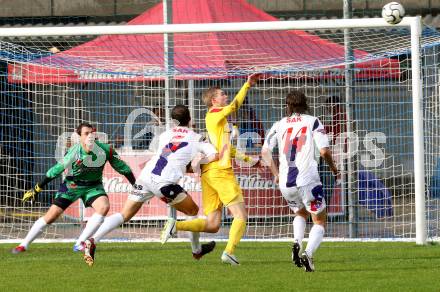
(307, 261)
(296, 259)
(229, 259)
(206, 248)
(89, 251)
(169, 230)
(18, 249)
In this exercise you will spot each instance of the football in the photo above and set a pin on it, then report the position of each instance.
(393, 12)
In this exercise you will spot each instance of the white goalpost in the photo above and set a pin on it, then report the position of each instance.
(104, 79)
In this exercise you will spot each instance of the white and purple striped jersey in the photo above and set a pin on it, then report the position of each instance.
(176, 149)
(296, 137)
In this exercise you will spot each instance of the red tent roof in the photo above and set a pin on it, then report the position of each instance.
(196, 55)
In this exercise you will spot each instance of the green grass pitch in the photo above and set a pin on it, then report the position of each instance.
(385, 266)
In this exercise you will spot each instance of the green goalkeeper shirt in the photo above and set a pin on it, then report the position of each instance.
(88, 167)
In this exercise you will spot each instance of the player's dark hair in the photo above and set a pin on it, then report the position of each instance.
(296, 102)
(181, 113)
(82, 125)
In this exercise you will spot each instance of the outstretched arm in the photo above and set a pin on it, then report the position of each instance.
(120, 166)
(30, 194)
(51, 174)
(240, 96)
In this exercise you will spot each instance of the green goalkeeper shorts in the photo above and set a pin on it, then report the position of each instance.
(70, 192)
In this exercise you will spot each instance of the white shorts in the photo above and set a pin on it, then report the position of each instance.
(145, 189)
(310, 197)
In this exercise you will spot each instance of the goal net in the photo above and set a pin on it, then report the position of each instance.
(121, 84)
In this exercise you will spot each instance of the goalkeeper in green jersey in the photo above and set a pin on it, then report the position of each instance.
(84, 163)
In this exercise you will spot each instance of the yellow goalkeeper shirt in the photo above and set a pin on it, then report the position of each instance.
(219, 131)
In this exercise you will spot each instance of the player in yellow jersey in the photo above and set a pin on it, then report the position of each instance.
(219, 185)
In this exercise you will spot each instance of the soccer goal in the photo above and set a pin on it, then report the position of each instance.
(377, 96)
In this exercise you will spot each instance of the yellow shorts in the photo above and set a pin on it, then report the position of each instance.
(219, 187)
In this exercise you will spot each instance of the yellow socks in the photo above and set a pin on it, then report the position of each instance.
(196, 225)
(235, 233)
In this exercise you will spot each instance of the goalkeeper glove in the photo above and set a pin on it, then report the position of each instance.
(30, 195)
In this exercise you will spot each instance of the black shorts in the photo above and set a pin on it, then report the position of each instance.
(64, 203)
(171, 191)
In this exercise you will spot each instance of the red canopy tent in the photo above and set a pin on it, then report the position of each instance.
(196, 55)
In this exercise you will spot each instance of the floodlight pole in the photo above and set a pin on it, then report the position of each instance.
(419, 150)
(351, 169)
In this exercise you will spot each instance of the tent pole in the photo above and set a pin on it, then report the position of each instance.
(168, 45)
(168, 49)
(191, 100)
(351, 173)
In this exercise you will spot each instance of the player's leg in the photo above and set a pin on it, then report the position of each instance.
(63, 199)
(100, 203)
(211, 207)
(95, 197)
(194, 226)
(186, 205)
(315, 238)
(112, 222)
(139, 195)
(316, 232)
(229, 193)
(190, 208)
(131, 207)
(295, 202)
(210, 225)
(315, 205)
(198, 249)
(134, 202)
(38, 227)
(238, 228)
(177, 197)
(214, 220)
(194, 238)
(299, 226)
